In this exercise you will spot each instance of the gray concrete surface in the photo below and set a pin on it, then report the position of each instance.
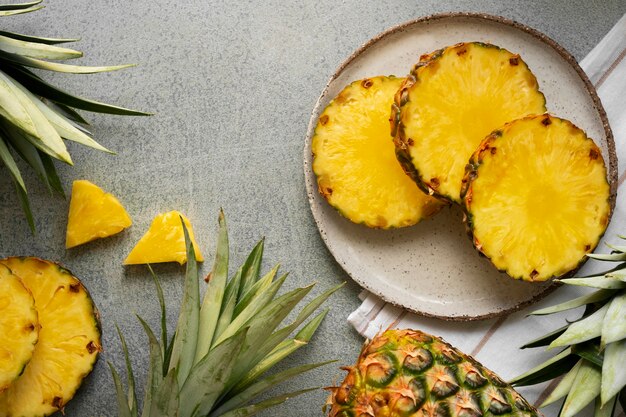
(232, 85)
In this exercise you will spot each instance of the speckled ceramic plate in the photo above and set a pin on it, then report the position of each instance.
(432, 268)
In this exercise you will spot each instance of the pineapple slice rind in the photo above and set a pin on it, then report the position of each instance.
(19, 327)
(354, 159)
(453, 98)
(537, 217)
(69, 340)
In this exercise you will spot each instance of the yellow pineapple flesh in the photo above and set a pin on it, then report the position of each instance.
(19, 327)
(354, 159)
(69, 340)
(453, 99)
(164, 241)
(536, 197)
(93, 214)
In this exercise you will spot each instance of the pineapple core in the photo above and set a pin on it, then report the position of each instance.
(93, 214)
(164, 241)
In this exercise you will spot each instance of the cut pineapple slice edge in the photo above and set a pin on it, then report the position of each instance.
(452, 100)
(536, 197)
(69, 340)
(19, 327)
(354, 159)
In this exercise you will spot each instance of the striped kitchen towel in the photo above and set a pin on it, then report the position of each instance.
(496, 342)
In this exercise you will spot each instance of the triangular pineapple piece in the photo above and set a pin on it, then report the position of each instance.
(93, 214)
(164, 241)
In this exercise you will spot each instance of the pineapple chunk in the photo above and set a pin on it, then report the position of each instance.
(69, 340)
(164, 241)
(452, 100)
(536, 197)
(93, 214)
(354, 159)
(19, 327)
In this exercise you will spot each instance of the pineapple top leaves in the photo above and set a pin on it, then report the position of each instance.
(36, 116)
(222, 349)
(592, 362)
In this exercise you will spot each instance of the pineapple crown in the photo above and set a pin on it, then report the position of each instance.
(593, 348)
(223, 346)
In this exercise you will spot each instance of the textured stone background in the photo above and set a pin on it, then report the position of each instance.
(232, 85)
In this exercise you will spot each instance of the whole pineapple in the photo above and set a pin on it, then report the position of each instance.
(410, 373)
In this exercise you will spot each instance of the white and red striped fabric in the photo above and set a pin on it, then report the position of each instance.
(496, 342)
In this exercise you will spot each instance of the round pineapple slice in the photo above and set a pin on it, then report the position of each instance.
(453, 98)
(354, 159)
(69, 340)
(19, 327)
(536, 197)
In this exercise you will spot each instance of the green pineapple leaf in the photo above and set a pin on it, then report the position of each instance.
(36, 49)
(19, 6)
(251, 269)
(564, 386)
(614, 324)
(613, 375)
(594, 297)
(585, 388)
(36, 39)
(253, 409)
(552, 368)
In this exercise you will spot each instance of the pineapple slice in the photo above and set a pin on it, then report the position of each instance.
(453, 99)
(93, 214)
(354, 160)
(410, 373)
(164, 241)
(536, 197)
(19, 327)
(69, 340)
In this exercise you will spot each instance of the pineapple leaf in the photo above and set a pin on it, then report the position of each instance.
(163, 311)
(280, 352)
(251, 269)
(596, 282)
(20, 10)
(553, 367)
(214, 295)
(53, 177)
(613, 375)
(263, 385)
(36, 50)
(36, 124)
(585, 388)
(38, 86)
(611, 257)
(228, 303)
(30, 154)
(580, 331)
(564, 386)
(605, 410)
(614, 325)
(131, 395)
(9, 162)
(55, 66)
(68, 113)
(589, 351)
(155, 370)
(253, 409)
(186, 338)
(259, 287)
(546, 339)
(122, 402)
(253, 308)
(167, 399)
(36, 39)
(18, 6)
(21, 193)
(594, 297)
(208, 377)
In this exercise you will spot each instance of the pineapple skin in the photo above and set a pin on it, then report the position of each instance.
(408, 373)
(23, 398)
(488, 146)
(398, 129)
(19, 327)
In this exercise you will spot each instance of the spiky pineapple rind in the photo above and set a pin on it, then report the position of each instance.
(449, 381)
(403, 144)
(486, 149)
